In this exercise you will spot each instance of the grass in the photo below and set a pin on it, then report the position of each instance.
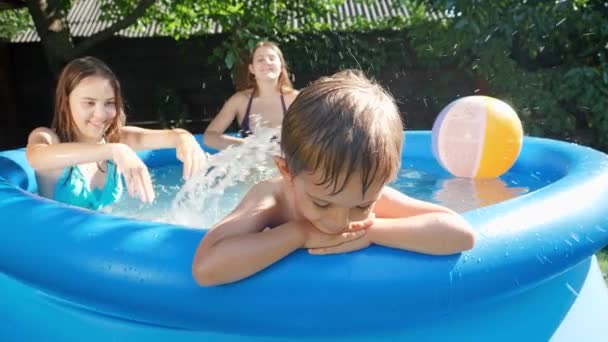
(602, 258)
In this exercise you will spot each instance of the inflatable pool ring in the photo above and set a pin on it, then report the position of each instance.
(69, 274)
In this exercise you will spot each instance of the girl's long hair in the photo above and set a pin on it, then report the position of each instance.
(71, 75)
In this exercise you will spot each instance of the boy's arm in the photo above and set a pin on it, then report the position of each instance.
(395, 204)
(238, 246)
(407, 223)
(435, 233)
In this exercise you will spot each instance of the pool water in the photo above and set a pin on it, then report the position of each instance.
(417, 178)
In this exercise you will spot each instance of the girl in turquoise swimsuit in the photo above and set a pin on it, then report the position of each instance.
(82, 158)
(268, 92)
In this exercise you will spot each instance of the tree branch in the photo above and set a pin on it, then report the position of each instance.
(125, 22)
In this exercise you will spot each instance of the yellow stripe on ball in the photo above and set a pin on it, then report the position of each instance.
(503, 138)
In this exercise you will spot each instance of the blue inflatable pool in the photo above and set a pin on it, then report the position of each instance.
(75, 275)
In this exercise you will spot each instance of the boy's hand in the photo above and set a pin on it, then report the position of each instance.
(345, 247)
(367, 223)
(314, 238)
(351, 239)
(350, 245)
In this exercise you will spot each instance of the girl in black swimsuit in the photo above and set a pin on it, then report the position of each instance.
(267, 76)
(245, 129)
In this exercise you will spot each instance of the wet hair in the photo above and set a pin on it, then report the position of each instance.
(342, 125)
(71, 76)
(284, 83)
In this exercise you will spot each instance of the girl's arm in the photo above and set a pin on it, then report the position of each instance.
(187, 148)
(214, 134)
(150, 139)
(46, 153)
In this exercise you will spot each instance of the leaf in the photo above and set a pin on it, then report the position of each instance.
(230, 59)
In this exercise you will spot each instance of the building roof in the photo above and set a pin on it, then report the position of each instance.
(84, 19)
(11, 4)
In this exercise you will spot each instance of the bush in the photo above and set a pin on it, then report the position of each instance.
(547, 58)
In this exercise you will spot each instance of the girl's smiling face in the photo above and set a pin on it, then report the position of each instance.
(266, 64)
(93, 108)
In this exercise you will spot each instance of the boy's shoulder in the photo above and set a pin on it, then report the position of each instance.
(270, 187)
(267, 196)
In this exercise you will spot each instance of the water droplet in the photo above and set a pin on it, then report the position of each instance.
(575, 237)
(571, 289)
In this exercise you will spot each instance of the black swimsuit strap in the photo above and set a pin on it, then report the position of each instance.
(245, 123)
(283, 103)
(245, 129)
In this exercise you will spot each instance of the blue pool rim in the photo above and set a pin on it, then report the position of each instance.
(140, 271)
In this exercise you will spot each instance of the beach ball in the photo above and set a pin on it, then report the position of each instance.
(477, 137)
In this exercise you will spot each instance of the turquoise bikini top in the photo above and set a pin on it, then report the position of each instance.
(72, 188)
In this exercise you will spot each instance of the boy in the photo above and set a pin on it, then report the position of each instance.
(341, 144)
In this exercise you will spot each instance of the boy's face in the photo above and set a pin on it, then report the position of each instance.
(329, 213)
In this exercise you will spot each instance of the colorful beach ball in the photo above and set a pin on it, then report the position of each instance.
(477, 137)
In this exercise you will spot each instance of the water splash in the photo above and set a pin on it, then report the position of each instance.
(213, 193)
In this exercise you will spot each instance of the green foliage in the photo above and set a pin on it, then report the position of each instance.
(374, 52)
(172, 112)
(311, 41)
(13, 22)
(547, 58)
(245, 22)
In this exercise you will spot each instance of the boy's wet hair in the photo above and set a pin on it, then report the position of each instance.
(341, 125)
(71, 76)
